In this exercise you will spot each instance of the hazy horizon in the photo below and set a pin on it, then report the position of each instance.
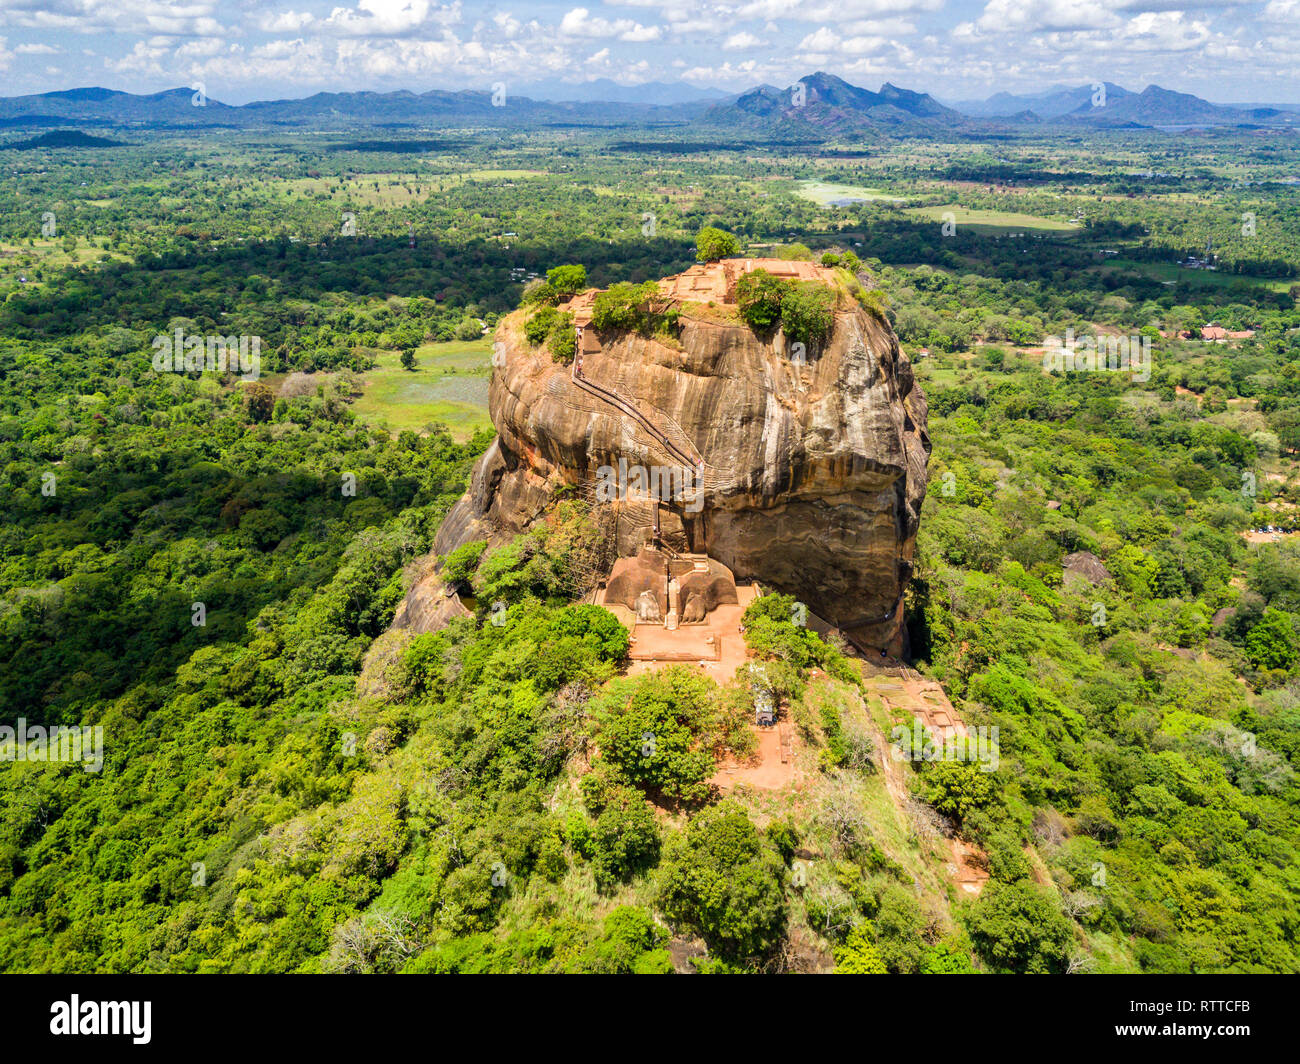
(569, 92)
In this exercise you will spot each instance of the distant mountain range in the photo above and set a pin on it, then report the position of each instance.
(176, 108)
(603, 90)
(1050, 103)
(819, 106)
(1109, 104)
(829, 105)
(823, 103)
(1154, 106)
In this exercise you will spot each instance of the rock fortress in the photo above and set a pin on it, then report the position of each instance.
(797, 470)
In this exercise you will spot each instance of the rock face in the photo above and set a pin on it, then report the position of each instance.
(1083, 567)
(813, 474)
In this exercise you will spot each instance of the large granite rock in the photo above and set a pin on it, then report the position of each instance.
(813, 475)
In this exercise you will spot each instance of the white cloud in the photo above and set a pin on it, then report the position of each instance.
(744, 73)
(1285, 11)
(579, 23)
(740, 41)
(279, 49)
(178, 18)
(286, 21)
(830, 10)
(507, 24)
(1003, 16)
(142, 59)
(391, 18)
(201, 48)
(826, 41)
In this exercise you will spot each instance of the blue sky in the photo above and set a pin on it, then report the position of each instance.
(244, 50)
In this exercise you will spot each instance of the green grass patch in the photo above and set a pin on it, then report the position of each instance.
(995, 223)
(1170, 271)
(823, 192)
(448, 385)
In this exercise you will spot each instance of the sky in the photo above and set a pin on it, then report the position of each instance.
(242, 50)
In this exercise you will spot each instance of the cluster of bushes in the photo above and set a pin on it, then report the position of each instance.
(804, 309)
(848, 260)
(562, 282)
(689, 722)
(659, 737)
(628, 943)
(775, 630)
(547, 324)
(555, 563)
(865, 904)
(712, 244)
(872, 300)
(627, 307)
(554, 328)
(623, 307)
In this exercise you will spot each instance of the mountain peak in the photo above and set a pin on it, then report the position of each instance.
(1159, 92)
(832, 103)
(90, 92)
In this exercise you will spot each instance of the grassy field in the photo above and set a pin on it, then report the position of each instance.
(444, 181)
(370, 190)
(822, 192)
(995, 223)
(24, 259)
(1169, 271)
(449, 385)
(939, 371)
(387, 190)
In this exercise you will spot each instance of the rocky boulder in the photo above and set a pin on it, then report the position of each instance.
(813, 468)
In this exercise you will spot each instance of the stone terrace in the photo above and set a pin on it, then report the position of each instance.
(710, 282)
(716, 281)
